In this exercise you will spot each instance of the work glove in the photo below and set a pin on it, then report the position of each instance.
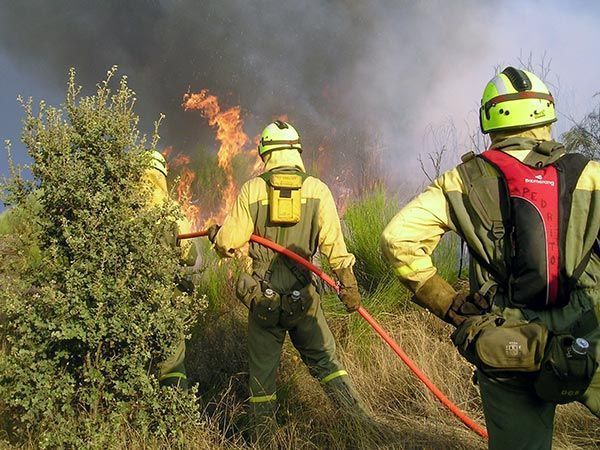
(435, 295)
(247, 289)
(348, 293)
(466, 305)
(212, 232)
(439, 297)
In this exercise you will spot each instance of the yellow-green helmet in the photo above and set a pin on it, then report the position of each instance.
(279, 135)
(157, 161)
(515, 99)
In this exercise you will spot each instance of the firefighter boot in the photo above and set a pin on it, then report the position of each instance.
(263, 421)
(345, 397)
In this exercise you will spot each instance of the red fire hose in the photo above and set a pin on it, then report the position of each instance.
(371, 321)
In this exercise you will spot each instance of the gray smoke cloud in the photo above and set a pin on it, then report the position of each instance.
(353, 74)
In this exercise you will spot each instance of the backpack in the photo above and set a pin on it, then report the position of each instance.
(526, 212)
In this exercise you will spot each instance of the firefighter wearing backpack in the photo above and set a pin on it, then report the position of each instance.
(296, 210)
(530, 216)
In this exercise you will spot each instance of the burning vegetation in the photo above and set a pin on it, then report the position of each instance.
(207, 198)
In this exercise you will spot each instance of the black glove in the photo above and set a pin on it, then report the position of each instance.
(212, 232)
(465, 306)
(348, 294)
(247, 289)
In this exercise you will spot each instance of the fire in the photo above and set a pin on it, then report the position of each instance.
(184, 187)
(257, 168)
(230, 134)
(229, 126)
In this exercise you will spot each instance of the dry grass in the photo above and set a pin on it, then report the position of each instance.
(405, 414)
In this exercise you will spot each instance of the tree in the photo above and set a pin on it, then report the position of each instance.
(442, 141)
(85, 326)
(584, 136)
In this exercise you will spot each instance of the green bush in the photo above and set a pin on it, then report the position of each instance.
(86, 325)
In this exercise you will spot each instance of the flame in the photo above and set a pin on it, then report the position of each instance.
(257, 168)
(229, 127)
(230, 134)
(183, 188)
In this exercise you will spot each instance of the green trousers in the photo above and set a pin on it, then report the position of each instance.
(314, 341)
(171, 372)
(515, 416)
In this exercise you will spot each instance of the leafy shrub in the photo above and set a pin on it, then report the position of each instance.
(86, 325)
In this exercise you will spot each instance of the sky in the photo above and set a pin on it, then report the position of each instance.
(350, 75)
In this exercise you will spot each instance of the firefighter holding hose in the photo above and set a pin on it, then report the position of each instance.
(530, 216)
(297, 211)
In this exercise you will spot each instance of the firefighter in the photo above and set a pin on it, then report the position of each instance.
(296, 210)
(530, 216)
(171, 372)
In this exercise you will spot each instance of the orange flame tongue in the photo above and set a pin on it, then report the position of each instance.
(184, 187)
(230, 134)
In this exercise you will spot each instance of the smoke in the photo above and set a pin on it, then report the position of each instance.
(352, 76)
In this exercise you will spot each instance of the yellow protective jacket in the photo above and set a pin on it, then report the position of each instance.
(157, 184)
(318, 229)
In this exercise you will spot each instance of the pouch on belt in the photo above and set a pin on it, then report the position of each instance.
(565, 374)
(501, 347)
(294, 309)
(247, 289)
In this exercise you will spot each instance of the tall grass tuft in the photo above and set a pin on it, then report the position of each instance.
(364, 221)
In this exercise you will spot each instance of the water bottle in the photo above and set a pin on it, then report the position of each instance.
(269, 293)
(580, 347)
(295, 296)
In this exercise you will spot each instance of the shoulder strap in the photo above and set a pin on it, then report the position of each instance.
(570, 168)
(571, 165)
(483, 191)
(544, 153)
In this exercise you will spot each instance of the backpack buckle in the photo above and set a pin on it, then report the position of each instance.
(498, 230)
